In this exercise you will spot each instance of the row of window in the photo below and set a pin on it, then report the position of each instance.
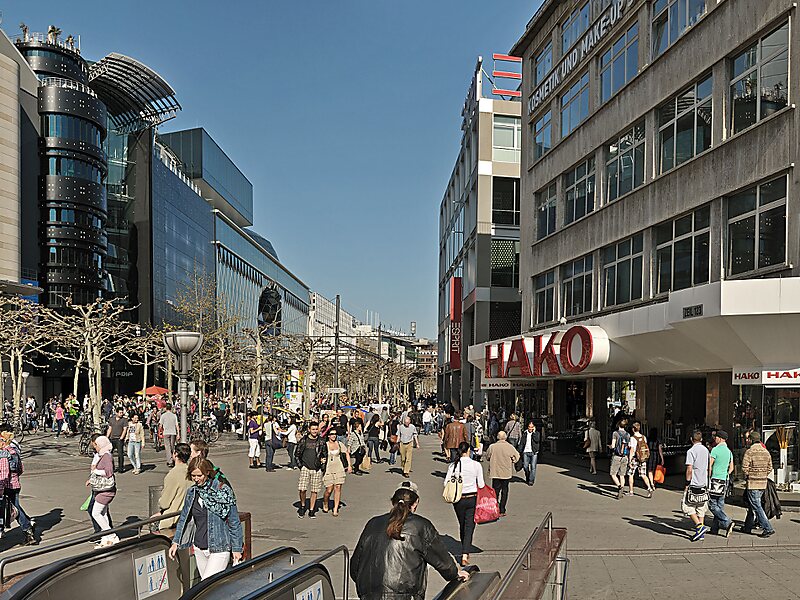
(506, 139)
(755, 238)
(74, 257)
(758, 87)
(78, 217)
(72, 167)
(72, 128)
(505, 263)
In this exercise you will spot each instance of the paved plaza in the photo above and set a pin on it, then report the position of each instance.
(630, 548)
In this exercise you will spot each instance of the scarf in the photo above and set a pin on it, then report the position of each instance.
(217, 500)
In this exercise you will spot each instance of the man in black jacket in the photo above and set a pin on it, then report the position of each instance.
(529, 451)
(311, 454)
(386, 567)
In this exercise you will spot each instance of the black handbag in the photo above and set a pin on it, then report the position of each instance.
(717, 488)
(695, 496)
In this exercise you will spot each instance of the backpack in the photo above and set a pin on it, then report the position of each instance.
(621, 447)
(642, 449)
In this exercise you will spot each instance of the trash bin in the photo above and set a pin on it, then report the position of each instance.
(153, 494)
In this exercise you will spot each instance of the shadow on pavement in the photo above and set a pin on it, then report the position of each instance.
(14, 536)
(454, 546)
(599, 490)
(677, 527)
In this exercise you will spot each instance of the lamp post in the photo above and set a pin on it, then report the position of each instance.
(183, 345)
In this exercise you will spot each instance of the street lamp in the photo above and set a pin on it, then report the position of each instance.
(183, 345)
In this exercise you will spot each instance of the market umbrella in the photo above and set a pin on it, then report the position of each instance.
(154, 390)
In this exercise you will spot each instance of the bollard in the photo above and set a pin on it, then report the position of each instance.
(153, 494)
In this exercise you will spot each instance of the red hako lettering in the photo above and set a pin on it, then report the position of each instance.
(518, 357)
(498, 360)
(587, 349)
(547, 353)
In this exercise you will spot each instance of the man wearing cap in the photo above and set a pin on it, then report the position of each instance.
(757, 467)
(721, 466)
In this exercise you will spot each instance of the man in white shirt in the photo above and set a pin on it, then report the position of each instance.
(169, 427)
(407, 436)
(427, 419)
(697, 460)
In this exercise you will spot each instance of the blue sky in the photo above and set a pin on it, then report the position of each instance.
(345, 116)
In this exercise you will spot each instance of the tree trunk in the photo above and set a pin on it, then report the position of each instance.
(76, 376)
(307, 384)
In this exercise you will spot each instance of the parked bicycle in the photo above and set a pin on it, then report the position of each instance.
(203, 430)
(86, 428)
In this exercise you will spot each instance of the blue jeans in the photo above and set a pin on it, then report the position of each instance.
(755, 511)
(529, 462)
(22, 518)
(717, 508)
(426, 428)
(373, 445)
(135, 454)
(270, 456)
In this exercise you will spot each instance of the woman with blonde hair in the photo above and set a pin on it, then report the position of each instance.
(209, 521)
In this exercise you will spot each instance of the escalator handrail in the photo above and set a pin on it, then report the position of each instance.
(30, 583)
(317, 562)
(194, 591)
(4, 562)
(545, 525)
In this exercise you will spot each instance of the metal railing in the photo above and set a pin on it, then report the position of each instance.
(68, 83)
(523, 560)
(4, 562)
(42, 38)
(346, 577)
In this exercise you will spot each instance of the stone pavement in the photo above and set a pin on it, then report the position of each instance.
(632, 548)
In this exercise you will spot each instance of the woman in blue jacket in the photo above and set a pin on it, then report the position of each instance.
(209, 520)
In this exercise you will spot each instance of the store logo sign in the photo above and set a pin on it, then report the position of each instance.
(571, 351)
(595, 34)
(780, 376)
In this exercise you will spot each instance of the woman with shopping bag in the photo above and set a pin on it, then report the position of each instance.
(469, 474)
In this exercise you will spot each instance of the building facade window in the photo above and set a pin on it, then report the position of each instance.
(682, 251)
(622, 271)
(625, 162)
(505, 201)
(579, 191)
(505, 263)
(546, 211)
(506, 139)
(757, 227)
(671, 18)
(620, 63)
(575, 105)
(760, 79)
(544, 289)
(542, 135)
(543, 63)
(684, 125)
(574, 26)
(576, 286)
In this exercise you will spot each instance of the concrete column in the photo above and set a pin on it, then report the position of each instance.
(721, 102)
(596, 406)
(558, 396)
(650, 402)
(719, 400)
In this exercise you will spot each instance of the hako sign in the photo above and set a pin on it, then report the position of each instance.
(547, 355)
(769, 376)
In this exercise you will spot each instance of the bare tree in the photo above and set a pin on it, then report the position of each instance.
(25, 331)
(146, 349)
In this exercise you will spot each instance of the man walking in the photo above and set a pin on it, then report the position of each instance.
(311, 454)
(454, 433)
(427, 420)
(757, 466)
(169, 429)
(513, 430)
(694, 502)
(637, 459)
(529, 449)
(117, 432)
(501, 456)
(620, 448)
(407, 436)
(721, 466)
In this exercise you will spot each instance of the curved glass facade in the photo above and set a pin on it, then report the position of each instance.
(72, 199)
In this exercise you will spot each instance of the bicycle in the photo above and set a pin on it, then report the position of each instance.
(203, 430)
(19, 427)
(86, 427)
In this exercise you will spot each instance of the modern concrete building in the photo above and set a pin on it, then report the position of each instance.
(660, 260)
(479, 236)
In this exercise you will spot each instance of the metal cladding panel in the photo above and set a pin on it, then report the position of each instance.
(62, 189)
(67, 101)
(77, 146)
(56, 66)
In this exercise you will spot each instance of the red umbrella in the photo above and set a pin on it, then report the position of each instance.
(154, 390)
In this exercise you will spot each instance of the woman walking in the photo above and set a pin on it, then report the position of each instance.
(253, 435)
(471, 473)
(335, 471)
(593, 445)
(356, 446)
(291, 442)
(393, 553)
(394, 443)
(215, 532)
(104, 489)
(656, 454)
(59, 418)
(135, 442)
(374, 438)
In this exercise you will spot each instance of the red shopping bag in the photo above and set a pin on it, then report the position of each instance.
(486, 509)
(659, 474)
